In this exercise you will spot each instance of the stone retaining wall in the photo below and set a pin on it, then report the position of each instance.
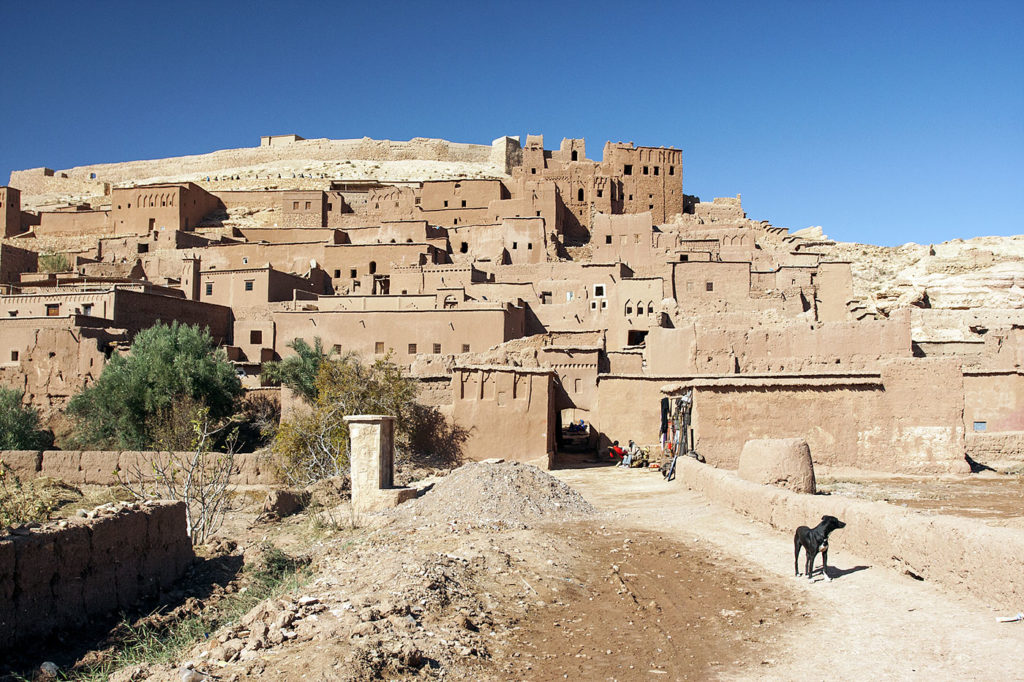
(1007, 446)
(58, 576)
(964, 555)
(95, 467)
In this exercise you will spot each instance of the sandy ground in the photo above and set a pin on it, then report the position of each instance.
(870, 622)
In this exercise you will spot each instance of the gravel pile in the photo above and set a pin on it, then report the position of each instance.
(502, 495)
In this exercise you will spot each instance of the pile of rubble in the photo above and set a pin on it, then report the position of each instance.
(496, 495)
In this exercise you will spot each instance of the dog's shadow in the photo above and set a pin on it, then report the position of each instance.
(833, 572)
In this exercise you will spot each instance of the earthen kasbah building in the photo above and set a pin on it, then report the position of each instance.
(523, 287)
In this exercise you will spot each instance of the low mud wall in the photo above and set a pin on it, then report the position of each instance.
(58, 576)
(1007, 446)
(95, 467)
(962, 554)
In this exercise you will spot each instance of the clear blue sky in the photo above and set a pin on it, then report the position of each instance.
(884, 122)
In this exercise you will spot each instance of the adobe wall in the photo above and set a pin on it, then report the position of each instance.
(940, 549)
(59, 576)
(99, 467)
(994, 398)
(10, 211)
(14, 262)
(74, 224)
(509, 412)
(990, 448)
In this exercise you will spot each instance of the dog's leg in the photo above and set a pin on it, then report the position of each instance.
(824, 564)
(796, 555)
(811, 555)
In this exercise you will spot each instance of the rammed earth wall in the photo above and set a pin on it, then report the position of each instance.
(56, 578)
(964, 555)
(97, 467)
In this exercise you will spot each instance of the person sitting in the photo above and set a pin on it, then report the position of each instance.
(632, 452)
(615, 451)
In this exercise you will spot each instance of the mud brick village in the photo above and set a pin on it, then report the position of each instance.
(615, 404)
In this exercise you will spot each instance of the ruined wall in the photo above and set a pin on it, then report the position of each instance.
(59, 576)
(74, 224)
(940, 549)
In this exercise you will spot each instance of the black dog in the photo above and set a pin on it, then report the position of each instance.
(814, 540)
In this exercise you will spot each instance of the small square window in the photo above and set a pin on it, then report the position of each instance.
(599, 290)
(980, 426)
(307, 205)
(437, 349)
(209, 288)
(515, 245)
(378, 348)
(14, 356)
(352, 273)
(463, 203)
(255, 336)
(709, 286)
(337, 274)
(52, 309)
(607, 239)
(533, 171)
(645, 170)
(446, 203)
(600, 193)
(656, 169)
(671, 170)
(650, 207)
(336, 348)
(529, 246)
(412, 349)
(593, 305)
(465, 348)
(627, 169)
(295, 206)
(604, 304)
(248, 284)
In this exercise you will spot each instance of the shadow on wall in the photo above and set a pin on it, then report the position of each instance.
(434, 440)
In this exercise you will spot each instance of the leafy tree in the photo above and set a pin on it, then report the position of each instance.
(314, 444)
(19, 424)
(166, 364)
(298, 372)
(53, 262)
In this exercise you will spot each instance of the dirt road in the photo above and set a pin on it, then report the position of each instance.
(870, 622)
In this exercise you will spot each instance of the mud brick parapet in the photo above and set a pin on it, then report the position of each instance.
(1007, 446)
(55, 578)
(95, 467)
(961, 554)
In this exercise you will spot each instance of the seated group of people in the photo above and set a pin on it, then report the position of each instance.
(630, 457)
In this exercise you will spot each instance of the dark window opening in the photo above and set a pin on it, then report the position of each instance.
(656, 169)
(645, 170)
(464, 247)
(465, 348)
(463, 203)
(533, 171)
(248, 284)
(446, 203)
(627, 169)
(412, 349)
(636, 337)
(579, 194)
(14, 356)
(575, 157)
(600, 193)
(209, 289)
(545, 297)
(373, 267)
(378, 348)
(437, 349)
(143, 248)
(337, 274)
(352, 273)
(607, 239)
(515, 245)
(255, 336)
(709, 286)
(671, 170)
(683, 257)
